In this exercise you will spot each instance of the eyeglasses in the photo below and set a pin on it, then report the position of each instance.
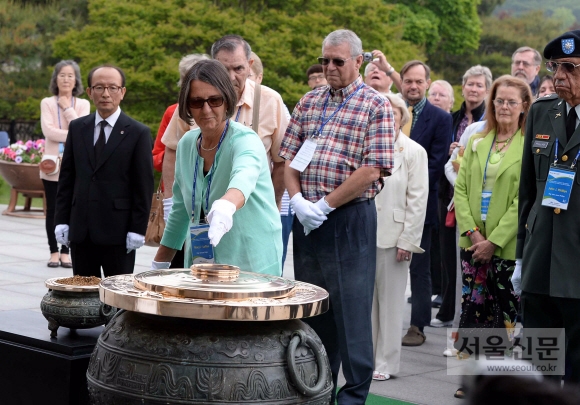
(500, 103)
(436, 94)
(522, 62)
(101, 89)
(316, 77)
(336, 61)
(553, 67)
(197, 103)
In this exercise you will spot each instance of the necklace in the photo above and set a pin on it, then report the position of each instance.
(498, 154)
(210, 149)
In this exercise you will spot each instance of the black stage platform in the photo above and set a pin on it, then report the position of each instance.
(35, 369)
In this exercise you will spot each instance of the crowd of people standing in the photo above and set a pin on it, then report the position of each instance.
(374, 185)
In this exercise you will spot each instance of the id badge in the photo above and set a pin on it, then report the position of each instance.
(304, 155)
(485, 197)
(558, 187)
(201, 248)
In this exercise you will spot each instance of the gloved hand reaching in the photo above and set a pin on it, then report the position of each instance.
(134, 241)
(220, 219)
(61, 233)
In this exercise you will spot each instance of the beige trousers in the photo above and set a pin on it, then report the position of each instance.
(388, 308)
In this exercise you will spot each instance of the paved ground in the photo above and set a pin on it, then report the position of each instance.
(24, 252)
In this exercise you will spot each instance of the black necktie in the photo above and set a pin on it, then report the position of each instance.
(571, 122)
(100, 145)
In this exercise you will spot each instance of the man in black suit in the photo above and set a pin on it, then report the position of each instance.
(106, 182)
(430, 126)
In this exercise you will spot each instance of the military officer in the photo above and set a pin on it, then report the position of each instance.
(548, 245)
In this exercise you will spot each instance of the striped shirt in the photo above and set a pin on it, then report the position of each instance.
(361, 134)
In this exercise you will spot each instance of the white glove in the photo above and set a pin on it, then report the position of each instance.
(309, 215)
(134, 241)
(159, 265)
(517, 277)
(167, 204)
(221, 219)
(323, 206)
(61, 233)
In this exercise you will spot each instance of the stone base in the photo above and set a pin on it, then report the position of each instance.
(35, 369)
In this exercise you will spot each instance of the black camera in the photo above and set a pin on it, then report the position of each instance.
(367, 57)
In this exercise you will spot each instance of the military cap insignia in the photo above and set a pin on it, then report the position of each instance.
(568, 46)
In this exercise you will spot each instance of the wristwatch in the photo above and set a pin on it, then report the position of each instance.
(390, 71)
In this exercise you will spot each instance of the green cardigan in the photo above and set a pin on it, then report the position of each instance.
(501, 224)
(255, 241)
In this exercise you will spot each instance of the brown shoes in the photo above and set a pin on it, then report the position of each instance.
(414, 337)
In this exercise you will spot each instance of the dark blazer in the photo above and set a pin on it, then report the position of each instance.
(108, 198)
(548, 239)
(433, 132)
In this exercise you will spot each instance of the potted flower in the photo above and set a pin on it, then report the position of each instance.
(19, 164)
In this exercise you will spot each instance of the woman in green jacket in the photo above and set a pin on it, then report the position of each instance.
(486, 205)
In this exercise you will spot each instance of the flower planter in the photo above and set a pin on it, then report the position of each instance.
(24, 179)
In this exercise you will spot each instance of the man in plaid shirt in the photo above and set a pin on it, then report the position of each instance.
(337, 146)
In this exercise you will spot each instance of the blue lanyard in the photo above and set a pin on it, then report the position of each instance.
(556, 156)
(486, 162)
(212, 170)
(238, 114)
(323, 122)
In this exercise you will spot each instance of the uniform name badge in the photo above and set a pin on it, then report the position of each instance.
(304, 155)
(201, 248)
(485, 197)
(558, 187)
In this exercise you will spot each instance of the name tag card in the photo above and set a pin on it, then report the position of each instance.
(201, 248)
(558, 187)
(485, 198)
(304, 156)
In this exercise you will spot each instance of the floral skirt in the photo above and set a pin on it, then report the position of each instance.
(485, 284)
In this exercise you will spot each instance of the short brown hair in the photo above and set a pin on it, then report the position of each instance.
(413, 63)
(316, 68)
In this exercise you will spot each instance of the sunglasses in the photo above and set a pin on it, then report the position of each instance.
(336, 61)
(197, 103)
(553, 67)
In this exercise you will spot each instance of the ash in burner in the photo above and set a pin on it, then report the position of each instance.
(80, 280)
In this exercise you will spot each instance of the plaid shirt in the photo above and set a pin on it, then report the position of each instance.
(361, 134)
(417, 109)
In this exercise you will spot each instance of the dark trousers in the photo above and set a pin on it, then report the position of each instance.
(448, 249)
(50, 194)
(286, 229)
(340, 257)
(88, 257)
(420, 272)
(436, 274)
(543, 311)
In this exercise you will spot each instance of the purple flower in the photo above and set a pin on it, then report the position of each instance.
(18, 159)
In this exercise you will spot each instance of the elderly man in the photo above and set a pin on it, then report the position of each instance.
(430, 127)
(377, 79)
(106, 182)
(338, 144)
(548, 248)
(235, 54)
(315, 76)
(526, 65)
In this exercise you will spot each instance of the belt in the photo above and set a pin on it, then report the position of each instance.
(356, 201)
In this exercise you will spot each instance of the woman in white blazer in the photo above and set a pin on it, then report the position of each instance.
(401, 207)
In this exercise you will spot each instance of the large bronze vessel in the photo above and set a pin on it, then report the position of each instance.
(209, 337)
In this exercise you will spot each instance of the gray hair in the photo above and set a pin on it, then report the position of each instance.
(230, 43)
(339, 37)
(537, 56)
(448, 87)
(368, 68)
(187, 62)
(398, 102)
(479, 70)
(213, 73)
(53, 87)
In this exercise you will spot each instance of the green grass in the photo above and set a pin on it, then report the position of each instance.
(378, 400)
(5, 196)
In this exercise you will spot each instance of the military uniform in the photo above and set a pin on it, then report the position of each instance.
(549, 238)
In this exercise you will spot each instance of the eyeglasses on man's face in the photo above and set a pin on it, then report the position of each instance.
(568, 67)
(336, 61)
(524, 63)
(197, 103)
(101, 89)
(500, 103)
(316, 77)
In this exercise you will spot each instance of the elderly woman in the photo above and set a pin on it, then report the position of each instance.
(476, 84)
(486, 204)
(401, 208)
(222, 176)
(55, 114)
(441, 95)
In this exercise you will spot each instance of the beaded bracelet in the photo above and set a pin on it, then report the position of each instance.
(476, 229)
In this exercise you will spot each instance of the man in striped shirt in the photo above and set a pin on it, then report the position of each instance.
(337, 146)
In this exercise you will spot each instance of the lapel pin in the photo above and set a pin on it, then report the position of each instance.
(559, 103)
(558, 115)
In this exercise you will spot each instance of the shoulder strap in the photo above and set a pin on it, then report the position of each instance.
(256, 114)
